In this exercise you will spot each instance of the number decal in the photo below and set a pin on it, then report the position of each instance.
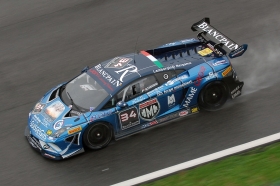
(132, 114)
(129, 118)
(124, 117)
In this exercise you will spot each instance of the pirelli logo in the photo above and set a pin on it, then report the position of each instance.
(227, 70)
(74, 130)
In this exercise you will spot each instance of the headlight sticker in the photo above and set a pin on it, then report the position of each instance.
(58, 125)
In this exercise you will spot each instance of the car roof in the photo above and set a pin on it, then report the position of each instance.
(116, 73)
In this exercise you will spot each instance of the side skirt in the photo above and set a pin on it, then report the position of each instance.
(161, 120)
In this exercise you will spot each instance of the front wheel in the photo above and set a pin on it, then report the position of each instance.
(213, 96)
(97, 136)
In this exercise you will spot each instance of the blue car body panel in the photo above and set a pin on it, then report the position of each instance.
(58, 135)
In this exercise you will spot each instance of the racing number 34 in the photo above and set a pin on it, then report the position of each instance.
(129, 118)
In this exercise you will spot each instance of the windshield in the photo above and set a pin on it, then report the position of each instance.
(85, 92)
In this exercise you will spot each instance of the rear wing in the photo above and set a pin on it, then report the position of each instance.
(217, 41)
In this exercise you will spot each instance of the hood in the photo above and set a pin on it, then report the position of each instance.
(53, 120)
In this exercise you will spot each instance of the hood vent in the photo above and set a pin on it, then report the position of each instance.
(73, 138)
(54, 94)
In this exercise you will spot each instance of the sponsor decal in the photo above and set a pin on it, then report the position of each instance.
(150, 87)
(165, 68)
(149, 124)
(129, 118)
(102, 114)
(236, 92)
(149, 109)
(205, 52)
(49, 132)
(75, 112)
(200, 75)
(39, 121)
(168, 90)
(74, 130)
(34, 142)
(46, 146)
(188, 40)
(58, 125)
(211, 75)
(138, 99)
(171, 100)
(221, 62)
(189, 97)
(238, 52)
(165, 76)
(38, 108)
(37, 130)
(183, 113)
(131, 69)
(118, 62)
(153, 122)
(227, 42)
(194, 110)
(91, 119)
(183, 64)
(55, 110)
(100, 73)
(87, 87)
(227, 70)
(170, 44)
(183, 85)
(171, 82)
(157, 91)
(48, 155)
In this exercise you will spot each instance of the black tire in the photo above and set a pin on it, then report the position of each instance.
(97, 136)
(213, 96)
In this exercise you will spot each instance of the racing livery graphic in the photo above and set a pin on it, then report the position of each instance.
(135, 92)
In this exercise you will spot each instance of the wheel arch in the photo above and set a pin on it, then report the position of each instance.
(218, 81)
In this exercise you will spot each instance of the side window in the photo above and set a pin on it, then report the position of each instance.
(138, 87)
(165, 76)
(179, 71)
(111, 103)
(133, 90)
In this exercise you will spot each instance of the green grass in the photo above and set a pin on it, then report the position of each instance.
(259, 167)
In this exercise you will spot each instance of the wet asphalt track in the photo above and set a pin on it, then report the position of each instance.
(43, 43)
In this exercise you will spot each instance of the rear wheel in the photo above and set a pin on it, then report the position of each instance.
(97, 136)
(213, 96)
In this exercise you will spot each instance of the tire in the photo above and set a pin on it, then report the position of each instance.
(213, 96)
(97, 136)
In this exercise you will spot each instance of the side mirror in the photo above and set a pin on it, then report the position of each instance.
(85, 69)
(121, 104)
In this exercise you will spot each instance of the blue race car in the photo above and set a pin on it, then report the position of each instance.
(134, 92)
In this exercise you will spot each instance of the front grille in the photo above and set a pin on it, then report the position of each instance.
(74, 138)
(34, 142)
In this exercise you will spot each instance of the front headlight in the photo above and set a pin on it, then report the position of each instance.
(59, 132)
(38, 108)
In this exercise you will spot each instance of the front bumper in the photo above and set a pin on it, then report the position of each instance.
(45, 149)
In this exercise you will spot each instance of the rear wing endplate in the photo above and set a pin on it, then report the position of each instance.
(217, 41)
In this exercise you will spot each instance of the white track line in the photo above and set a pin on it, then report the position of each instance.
(201, 160)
